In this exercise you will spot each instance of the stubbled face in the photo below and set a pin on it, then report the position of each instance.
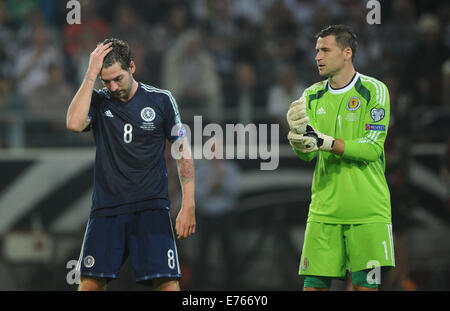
(330, 56)
(118, 80)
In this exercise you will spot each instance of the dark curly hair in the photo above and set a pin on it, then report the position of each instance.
(121, 52)
(345, 37)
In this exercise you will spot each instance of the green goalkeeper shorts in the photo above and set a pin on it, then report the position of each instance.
(332, 249)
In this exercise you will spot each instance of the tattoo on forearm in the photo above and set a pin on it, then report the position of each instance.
(186, 170)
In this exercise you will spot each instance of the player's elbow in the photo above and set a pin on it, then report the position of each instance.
(74, 126)
(373, 154)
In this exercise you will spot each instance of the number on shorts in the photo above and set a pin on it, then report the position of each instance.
(385, 250)
(171, 258)
(127, 133)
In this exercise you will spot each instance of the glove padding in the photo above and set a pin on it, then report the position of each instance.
(311, 141)
(296, 116)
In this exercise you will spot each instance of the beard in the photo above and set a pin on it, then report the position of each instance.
(123, 94)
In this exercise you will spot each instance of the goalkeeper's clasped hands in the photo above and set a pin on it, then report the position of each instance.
(302, 136)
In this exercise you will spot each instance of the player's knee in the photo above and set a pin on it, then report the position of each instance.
(316, 283)
(360, 282)
(166, 284)
(314, 289)
(92, 284)
(363, 289)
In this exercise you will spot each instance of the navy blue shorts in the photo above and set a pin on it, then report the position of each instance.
(146, 236)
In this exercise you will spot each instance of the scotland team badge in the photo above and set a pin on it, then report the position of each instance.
(89, 261)
(353, 103)
(148, 114)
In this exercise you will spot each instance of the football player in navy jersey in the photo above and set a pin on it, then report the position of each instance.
(131, 122)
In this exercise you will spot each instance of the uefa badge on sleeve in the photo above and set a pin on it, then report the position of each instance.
(181, 132)
(377, 114)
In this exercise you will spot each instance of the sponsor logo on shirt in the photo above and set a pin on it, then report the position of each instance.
(375, 127)
(352, 116)
(353, 103)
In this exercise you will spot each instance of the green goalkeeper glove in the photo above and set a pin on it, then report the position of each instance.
(296, 116)
(311, 141)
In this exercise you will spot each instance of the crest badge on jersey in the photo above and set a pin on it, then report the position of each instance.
(89, 261)
(148, 114)
(377, 114)
(353, 103)
(305, 264)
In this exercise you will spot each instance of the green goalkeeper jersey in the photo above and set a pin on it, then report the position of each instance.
(352, 188)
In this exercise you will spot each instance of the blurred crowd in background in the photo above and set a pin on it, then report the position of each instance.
(227, 60)
(231, 61)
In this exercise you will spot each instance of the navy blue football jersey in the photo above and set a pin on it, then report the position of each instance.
(130, 170)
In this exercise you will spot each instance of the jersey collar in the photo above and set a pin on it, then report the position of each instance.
(345, 88)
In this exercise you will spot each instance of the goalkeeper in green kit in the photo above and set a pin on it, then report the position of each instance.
(343, 120)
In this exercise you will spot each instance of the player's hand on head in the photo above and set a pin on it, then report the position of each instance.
(96, 59)
(185, 223)
(297, 117)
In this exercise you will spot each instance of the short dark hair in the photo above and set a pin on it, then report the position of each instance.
(121, 52)
(345, 36)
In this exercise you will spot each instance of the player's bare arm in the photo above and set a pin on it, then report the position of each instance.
(338, 147)
(185, 222)
(77, 114)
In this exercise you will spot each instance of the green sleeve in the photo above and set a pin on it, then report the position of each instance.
(361, 152)
(371, 145)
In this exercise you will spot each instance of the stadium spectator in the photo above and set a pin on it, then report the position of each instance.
(221, 32)
(217, 192)
(446, 83)
(92, 23)
(51, 108)
(190, 73)
(252, 10)
(30, 70)
(424, 77)
(282, 94)
(246, 94)
(129, 24)
(20, 9)
(9, 98)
